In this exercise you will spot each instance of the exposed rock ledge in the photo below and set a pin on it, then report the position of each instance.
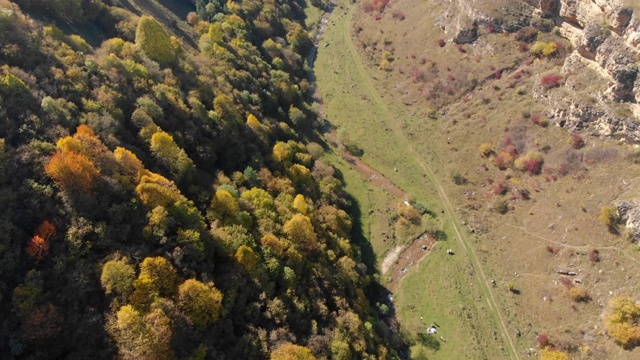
(606, 36)
(630, 215)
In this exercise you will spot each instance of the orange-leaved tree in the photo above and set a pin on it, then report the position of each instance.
(72, 171)
(38, 247)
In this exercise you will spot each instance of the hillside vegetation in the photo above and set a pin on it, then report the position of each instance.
(165, 202)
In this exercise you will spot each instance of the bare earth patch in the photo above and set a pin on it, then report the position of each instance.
(401, 260)
(391, 257)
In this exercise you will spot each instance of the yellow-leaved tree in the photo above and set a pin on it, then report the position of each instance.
(622, 321)
(300, 204)
(154, 41)
(289, 351)
(165, 149)
(142, 337)
(300, 230)
(201, 302)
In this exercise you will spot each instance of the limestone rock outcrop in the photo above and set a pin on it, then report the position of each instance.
(606, 34)
(630, 216)
(606, 40)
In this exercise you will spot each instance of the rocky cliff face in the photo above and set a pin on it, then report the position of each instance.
(606, 36)
(606, 41)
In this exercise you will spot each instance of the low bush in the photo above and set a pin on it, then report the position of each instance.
(539, 120)
(530, 163)
(485, 149)
(398, 15)
(550, 81)
(576, 141)
(609, 216)
(543, 340)
(500, 205)
(579, 294)
(526, 34)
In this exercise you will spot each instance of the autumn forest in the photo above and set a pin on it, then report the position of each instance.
(161, 194)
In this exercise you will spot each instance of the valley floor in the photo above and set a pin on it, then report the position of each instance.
(493, 296)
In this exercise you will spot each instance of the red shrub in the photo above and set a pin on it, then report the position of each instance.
(594, 255)
(504, 160)
(499, 188)
(460, 48)
(377, 5)
(498, 75)
(577, 141)
(523, 47)
(490, 29)
(368, 7)
(441, 42)
(552, 249)
(550, 81)
(536, 118)
(527, 34)
(543, 340)
(417, 75)
(511, 150)
(533, 166)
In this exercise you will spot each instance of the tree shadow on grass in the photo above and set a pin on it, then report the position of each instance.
(429, 341)
(367, 254)
(440, 235)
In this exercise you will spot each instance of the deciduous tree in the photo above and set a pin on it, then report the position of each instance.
(300, 230)
(38, 247)
(289, 351)
(201, 302)
(72, 171)
(162, 274)
(622, 321)
(154, 41)
(117, 277)
(165, 149)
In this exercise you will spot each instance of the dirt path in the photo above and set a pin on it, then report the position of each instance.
(401, 259)
(446, 202)
(374, 177)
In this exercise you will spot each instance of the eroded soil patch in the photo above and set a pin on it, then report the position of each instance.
(400, 262)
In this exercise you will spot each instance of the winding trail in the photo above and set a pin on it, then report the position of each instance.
(444, 198)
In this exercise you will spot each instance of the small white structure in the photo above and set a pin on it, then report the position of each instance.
(432, 330)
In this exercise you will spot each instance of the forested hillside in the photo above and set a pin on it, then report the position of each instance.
(161, 191)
